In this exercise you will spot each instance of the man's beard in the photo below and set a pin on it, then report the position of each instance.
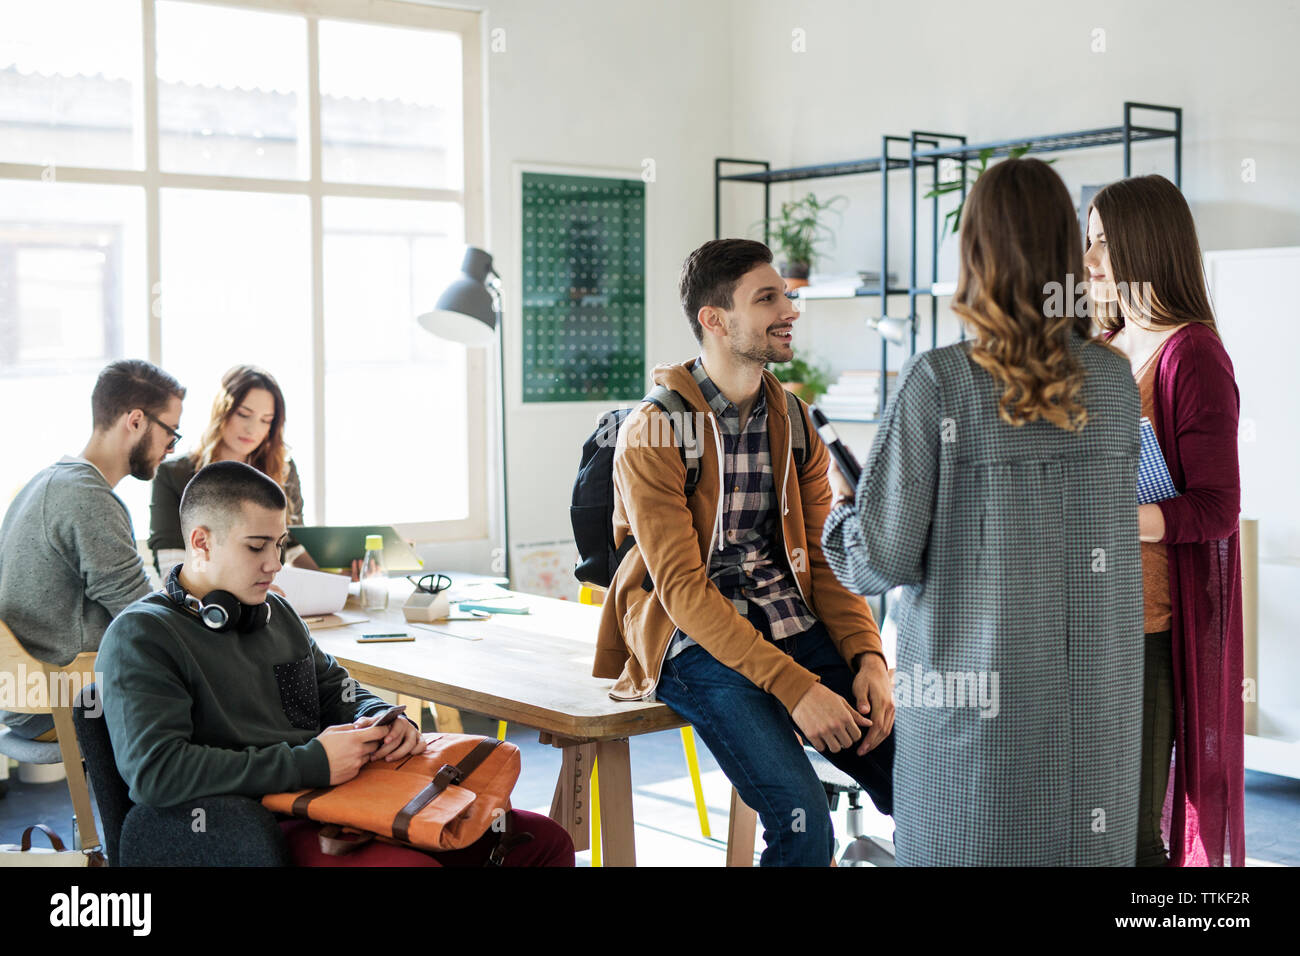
(142, 465)
(759, 352)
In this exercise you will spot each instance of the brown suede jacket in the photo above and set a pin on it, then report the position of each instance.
(674, 535)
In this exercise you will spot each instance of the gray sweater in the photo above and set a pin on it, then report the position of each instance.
(68, 562)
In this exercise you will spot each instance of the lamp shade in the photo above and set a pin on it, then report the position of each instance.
(891, 329)
(465, 312)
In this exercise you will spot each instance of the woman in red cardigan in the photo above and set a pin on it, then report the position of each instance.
(1148, 288)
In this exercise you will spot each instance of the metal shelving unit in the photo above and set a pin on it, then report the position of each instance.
(1125, 135)
(883, 164)
(930, 149)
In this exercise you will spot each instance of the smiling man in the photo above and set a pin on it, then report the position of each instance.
(724, 607)
(68, 560)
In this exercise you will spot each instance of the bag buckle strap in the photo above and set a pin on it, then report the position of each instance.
(508, 840)
(447, 775)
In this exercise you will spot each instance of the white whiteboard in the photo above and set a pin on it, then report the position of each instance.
(1256, 296)
(1255, 300)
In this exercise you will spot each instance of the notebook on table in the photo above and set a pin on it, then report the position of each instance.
(1154, 483)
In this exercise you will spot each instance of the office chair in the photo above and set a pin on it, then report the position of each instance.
(860, 849)
(226, 830)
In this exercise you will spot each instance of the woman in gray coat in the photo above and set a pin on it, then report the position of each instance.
(1000, 492)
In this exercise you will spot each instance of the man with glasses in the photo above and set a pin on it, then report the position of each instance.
(68, 560)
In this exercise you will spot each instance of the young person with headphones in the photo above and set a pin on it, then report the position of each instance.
(214, 685)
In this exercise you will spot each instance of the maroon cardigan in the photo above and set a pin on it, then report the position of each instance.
(1196, 405)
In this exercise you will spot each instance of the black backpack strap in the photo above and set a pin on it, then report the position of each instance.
(683, 422)
(798, 430)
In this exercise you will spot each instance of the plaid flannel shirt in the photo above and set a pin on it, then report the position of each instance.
(750, 566)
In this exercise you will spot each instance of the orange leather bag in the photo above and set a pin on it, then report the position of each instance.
(443, 799)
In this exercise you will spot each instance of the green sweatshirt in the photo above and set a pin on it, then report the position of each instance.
(194, 713)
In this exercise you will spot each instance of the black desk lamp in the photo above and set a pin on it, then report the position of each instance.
(469, 312)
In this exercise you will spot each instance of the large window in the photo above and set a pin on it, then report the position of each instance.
(282, 182)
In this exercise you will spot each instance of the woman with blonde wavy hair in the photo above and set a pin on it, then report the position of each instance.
(247, 424)
(1000, 493)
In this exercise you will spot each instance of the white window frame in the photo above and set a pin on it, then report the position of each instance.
(466, 23)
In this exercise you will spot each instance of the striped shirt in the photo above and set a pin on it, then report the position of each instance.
(751, 565)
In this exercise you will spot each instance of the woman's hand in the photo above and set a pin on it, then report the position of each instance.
(839, 484)
(1151, 523)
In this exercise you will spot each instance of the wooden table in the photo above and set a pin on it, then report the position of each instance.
(532, 669)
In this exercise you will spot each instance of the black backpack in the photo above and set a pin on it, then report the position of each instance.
(592, 511)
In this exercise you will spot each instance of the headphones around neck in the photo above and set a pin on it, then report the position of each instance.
(219, 611)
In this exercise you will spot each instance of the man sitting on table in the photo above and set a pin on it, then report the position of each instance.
(254, 707)
(725, 608)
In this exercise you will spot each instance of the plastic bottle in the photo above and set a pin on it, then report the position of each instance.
(374, 576)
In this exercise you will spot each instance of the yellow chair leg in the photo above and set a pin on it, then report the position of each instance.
(501, 730)
(693, 764)
(588, 595)
(593, 806)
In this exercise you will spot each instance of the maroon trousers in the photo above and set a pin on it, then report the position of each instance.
(550, 846)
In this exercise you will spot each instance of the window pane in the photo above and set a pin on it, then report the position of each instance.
(72, 299)
(70, 89)
(236, 289)
(390, 107)
(231, 115)
(396, 443)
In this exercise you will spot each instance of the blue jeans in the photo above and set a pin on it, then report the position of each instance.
(752, 736)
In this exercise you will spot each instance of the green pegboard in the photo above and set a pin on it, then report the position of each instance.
(583, 288)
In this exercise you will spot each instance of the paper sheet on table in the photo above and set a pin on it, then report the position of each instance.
(475, 591)
(313, 593)
(338, 619)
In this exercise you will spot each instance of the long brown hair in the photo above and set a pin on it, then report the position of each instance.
(1019, 240)
(1155, 258)
(272, 456)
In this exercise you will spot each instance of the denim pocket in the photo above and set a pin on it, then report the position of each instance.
(299, 696)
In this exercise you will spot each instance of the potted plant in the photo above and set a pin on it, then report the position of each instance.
(806, 380)
(796, 233)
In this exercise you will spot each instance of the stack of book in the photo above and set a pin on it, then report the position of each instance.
(856, 395)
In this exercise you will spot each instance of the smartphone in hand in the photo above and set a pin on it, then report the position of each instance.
(390, 715)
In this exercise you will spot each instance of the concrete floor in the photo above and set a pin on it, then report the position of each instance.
(667, 825)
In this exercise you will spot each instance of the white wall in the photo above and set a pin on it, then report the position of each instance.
(610, 83)
(600, 84)
(1017, 67)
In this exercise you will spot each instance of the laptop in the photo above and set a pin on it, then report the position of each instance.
(336, 546)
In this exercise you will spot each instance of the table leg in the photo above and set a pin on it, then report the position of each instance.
(617, 831)
(570, 805)
(740, 832)
(448, 719)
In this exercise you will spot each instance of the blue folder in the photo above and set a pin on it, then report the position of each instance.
(1154, 483)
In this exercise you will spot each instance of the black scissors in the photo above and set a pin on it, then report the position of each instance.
(431, 583)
